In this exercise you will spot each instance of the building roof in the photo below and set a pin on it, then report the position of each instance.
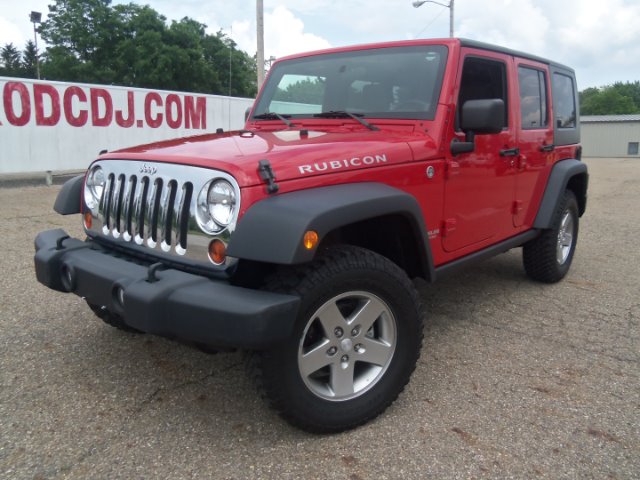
(609, 118)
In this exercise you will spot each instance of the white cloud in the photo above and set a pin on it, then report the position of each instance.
(285, 34)
(15, 26)
(519, 24)
(10, 33)
(601, 40)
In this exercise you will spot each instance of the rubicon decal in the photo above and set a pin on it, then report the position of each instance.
(354, 162)
(49, 105)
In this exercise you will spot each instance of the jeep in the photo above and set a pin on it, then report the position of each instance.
(298, 238)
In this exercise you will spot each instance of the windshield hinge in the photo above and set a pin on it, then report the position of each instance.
(266, 173)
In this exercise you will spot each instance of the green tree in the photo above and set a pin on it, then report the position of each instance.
(83, 35)
(242, 66)
(629, 89)
(617, 99)
(91, 41)
(30, 60)
(139, 55)
(608, 102)
(11, 61)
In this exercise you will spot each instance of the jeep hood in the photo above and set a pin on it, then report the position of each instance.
(292, 153)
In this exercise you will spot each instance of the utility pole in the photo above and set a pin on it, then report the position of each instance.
(36, 17)
(450, 18)
(260, 35)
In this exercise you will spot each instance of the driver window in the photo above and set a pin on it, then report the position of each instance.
(483, 79)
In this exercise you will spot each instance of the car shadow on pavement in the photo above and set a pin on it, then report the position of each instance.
(158, 383)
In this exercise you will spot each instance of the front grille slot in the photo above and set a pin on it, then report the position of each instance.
(148, 211)
(139, 211)
(182, 220)
(127, 208)
(105, 203)
(153, 206)
(166, 214)
(116, 202)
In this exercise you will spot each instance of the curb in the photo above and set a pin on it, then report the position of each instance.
(37, 179)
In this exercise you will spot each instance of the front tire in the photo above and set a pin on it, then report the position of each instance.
(548, 257)
(355, 343)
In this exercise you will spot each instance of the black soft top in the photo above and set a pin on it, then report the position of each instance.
(465, 42)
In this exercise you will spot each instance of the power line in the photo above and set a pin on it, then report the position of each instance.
(430, 23)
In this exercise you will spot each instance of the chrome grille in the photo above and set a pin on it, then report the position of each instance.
(152, 205)
(148, 211)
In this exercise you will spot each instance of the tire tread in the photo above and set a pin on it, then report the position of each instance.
(539, 254)
(299, 281)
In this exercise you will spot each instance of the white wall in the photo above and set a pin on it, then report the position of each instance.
(608, 139)
(62, 126)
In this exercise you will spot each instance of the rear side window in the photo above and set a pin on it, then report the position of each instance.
(564, 101)
(533, 98)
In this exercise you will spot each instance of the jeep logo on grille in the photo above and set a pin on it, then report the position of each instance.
(148, 169)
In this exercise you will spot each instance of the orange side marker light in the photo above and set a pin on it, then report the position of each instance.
(310, 239)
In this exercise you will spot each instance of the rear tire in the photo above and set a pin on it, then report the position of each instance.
(354, 346)
(548, 257)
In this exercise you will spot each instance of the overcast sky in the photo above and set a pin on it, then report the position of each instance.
(600, 39)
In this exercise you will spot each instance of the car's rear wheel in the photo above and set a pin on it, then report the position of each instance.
(548, 257)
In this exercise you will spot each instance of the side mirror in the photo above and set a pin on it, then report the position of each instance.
(482, 116)
(478, 117)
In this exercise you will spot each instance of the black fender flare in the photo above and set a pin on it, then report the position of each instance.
(272, 230)
(69, 197)
(562, 173)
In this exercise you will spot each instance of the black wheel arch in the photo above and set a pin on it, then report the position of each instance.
(69, 197)
(372, 215)
(568, 174)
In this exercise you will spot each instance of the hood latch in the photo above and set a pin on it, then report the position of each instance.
(266, 173)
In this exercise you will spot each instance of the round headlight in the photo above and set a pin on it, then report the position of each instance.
(94, 187)
(216, 206)
(222, 201)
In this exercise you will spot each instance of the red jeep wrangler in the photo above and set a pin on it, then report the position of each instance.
(358, 169)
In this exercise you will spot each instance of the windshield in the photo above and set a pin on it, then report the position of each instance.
(398, 82)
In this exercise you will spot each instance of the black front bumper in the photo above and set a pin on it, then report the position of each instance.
(165, 302)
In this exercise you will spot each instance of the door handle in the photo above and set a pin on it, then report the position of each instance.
(510, 152)
(548, 148)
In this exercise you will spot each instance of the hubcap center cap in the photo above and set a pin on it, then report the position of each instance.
(346, 345)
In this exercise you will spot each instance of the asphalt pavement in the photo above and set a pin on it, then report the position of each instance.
(516, 379)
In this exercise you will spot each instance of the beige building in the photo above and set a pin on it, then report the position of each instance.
(610, 135)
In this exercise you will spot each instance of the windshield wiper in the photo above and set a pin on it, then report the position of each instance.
(275, 116)
(344, 114)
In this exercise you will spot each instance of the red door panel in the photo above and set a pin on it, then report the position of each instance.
(480, 185)
(535, 135)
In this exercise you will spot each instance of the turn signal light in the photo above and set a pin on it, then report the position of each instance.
(310, 239)
(217, 252)
(88, 220)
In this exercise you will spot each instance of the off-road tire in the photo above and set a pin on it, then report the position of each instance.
(112, 319)
(342, 274)
(541, 255)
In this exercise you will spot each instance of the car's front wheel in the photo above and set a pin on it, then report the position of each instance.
(354, 346)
